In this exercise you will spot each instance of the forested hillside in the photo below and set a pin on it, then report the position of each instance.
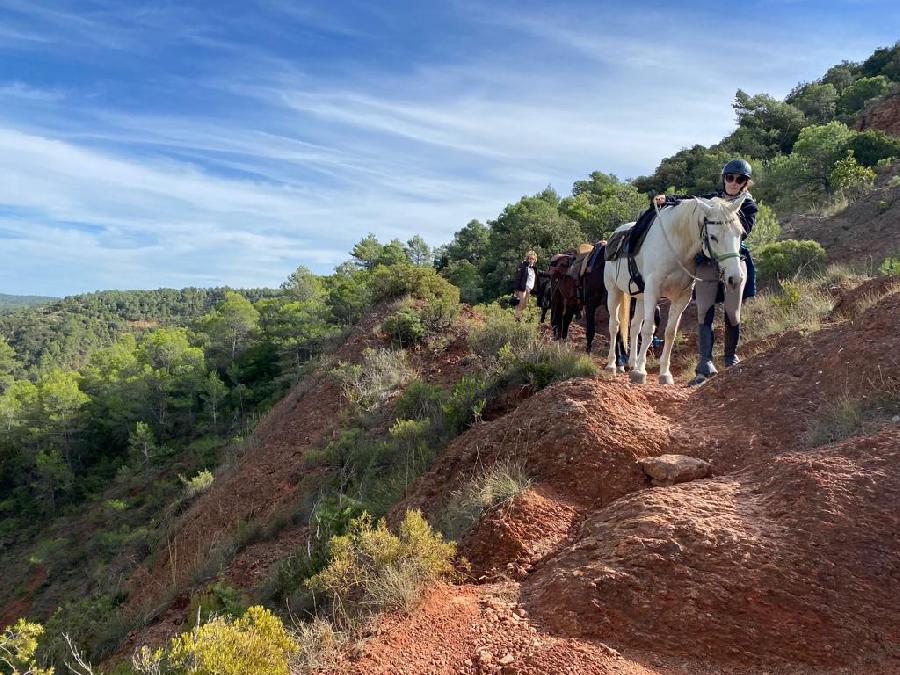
(8, 302)
(119, 410)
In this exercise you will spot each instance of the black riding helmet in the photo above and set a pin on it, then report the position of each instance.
(739, 166)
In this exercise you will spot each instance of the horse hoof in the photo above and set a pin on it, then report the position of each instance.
(637, 377)
(666, 379)
(610, 369)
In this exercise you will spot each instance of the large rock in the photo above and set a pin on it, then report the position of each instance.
(672, 469)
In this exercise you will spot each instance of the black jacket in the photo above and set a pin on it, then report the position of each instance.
(522, 276)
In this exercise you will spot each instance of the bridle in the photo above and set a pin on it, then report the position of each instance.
(705, 245)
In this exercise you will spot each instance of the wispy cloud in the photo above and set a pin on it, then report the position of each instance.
(168, 144)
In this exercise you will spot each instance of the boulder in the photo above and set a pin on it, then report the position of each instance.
(672, 469)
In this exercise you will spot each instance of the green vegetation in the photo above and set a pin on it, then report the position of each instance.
(371, 569)
(796, 305)
(17, 646)
(257, 643)
(845, 416)
(790, 259)
(498, 485)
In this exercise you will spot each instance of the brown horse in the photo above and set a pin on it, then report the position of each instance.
(564, 300)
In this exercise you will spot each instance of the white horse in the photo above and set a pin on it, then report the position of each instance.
(666, 262)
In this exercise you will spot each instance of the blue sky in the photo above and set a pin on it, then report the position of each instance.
(149, 144)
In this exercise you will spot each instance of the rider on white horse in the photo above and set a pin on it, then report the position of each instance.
(709, 289)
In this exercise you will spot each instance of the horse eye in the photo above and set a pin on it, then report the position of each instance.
(714, 237)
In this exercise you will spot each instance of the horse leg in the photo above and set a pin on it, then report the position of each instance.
(613, 298)
(567, 320)
(639, 374)
(637, 320)
(676, 307)
(590, 321)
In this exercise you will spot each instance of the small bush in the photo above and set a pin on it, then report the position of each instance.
(889, 266)
(500, 330)
(790, 259)
(198, 484)
(498, 485)
(767, 229)
(438, 314)
(255, 644)
(318, 646)
(372, 570)
(845, 417)
(17, 646)
(405, 327)
(420, 400)
(543, 364)
(387, 282)
(381, 374)
(219, 599)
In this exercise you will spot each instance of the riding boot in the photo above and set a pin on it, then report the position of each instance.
(732, 336)
(705, 366)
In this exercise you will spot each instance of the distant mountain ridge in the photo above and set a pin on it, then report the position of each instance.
(8, 301)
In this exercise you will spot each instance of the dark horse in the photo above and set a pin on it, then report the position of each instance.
(564, 300)
(594, 294)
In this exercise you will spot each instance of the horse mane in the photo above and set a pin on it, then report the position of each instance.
(683, 217)
(679, 220)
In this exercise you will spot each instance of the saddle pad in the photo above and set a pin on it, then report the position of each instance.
(616, 243)
(576, 268)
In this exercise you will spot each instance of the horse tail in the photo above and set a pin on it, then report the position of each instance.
(624, 318)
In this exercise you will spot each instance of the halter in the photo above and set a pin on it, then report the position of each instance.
(706, 247)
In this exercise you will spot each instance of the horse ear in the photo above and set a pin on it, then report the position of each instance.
(735, 206)
(704, 205)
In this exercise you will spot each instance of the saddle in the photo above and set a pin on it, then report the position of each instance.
(627, 243)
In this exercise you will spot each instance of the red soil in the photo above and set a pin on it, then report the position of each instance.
(786, 561)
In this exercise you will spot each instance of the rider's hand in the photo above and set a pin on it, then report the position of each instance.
(660, 200)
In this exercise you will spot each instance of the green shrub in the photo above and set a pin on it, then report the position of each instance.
(372, 569)
(542, 364)
(198, 484)
(498, 485)
(789, 259)
(889, 266)
(420, 400)
(381, 374)
(499, 330)
(767, 229)
(218, 599)
(255, 644)
(439, 313)
(405, 327)
(387, 282)
(18, 643)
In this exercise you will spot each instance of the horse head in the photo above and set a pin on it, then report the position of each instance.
(720, 234)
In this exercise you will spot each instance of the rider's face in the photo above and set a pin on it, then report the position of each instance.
(734, 185)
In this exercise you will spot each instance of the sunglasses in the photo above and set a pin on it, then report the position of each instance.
(735, 178)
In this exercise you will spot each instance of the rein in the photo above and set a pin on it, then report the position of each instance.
(671, 248)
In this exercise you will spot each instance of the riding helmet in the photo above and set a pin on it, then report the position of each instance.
(738, 166)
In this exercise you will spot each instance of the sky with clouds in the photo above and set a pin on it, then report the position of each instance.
(196, 143)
